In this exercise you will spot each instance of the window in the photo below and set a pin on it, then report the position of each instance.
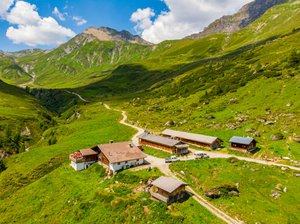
(126, 162)
(119, 163)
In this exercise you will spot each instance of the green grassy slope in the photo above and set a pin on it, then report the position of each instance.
(20, 111)
(11, 72)
(256, 184)
(40, 186)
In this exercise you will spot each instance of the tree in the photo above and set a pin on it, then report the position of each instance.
(2, 166)
(294, 59)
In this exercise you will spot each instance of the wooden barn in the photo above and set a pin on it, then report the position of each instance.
(243, 143)
(195, 139)
(168, 189)
(120, 156)
(83, 158)
(171, 145)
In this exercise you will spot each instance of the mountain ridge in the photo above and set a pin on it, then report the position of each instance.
(243, 18)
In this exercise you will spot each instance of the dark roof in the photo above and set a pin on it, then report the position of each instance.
(242, 140)
(121, 152)
(191, 136)
(159, 140)
(88, 152)
(168, 184)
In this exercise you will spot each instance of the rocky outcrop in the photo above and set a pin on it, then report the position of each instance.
(244, 17)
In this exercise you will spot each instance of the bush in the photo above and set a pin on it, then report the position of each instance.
(2, 166)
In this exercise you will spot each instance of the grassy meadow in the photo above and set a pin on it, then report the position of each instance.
(256, 184)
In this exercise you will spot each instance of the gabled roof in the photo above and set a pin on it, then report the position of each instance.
(159, 140)
(168, 184)
(191, 136)
(88, 152)
(242, 140)
(121, 152)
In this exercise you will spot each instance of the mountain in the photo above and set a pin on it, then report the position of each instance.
(109, 34)
(244, 17)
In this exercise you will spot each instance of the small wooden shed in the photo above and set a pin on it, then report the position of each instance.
(243, 143)
(168, 189)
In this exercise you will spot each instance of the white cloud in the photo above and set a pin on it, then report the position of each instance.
(59, 15)
(142, 17)
(32, 29)
(4, 6)
(79, 20)
(183, 18)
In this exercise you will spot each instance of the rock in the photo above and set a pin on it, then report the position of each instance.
(279, 187)
(262, 120)
(297, 174)
(225, 190)
(286, 158)
(182, 173)
(275, 195)
(257, 134)
(26, 132)
(296, 139)
(284, 168)
(289, 104)
(210, 117)
(285, 189)
(233, 100)
(270, 122)
(233, 194)
(250, 130)
(277, 137)
(170, 123)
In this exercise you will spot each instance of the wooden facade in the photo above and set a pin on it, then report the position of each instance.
(173, 149)
(167, 197)
(103, 159)
(246, 147)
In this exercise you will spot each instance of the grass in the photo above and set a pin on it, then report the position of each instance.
(256, 182)
(40, 186)
(156, 152)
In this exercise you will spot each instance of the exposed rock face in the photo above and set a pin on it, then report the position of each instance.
(244, 17)
(226, 190)
(108, 34)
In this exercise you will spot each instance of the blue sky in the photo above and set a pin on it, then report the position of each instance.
(45, 24)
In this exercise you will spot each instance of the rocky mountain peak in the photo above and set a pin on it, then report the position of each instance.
(244, 17)
(109, 34)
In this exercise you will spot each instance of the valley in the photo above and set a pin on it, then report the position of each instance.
(239, 77)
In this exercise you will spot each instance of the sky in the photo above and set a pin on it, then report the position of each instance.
(46, 24)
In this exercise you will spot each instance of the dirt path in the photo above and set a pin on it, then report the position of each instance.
(33, 76)
(160, 164)
(76, 94)
(263, 162)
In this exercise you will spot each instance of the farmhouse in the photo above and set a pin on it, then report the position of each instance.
(83, 158)
(167, 189)
(171, 145)
(120, 156)
(195, 139)
(244, 143)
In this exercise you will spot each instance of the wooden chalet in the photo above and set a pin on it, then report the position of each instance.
(174, 146)
(195, 139)
(120, 156)
(83, 158)
(243, 143)
(168, 189)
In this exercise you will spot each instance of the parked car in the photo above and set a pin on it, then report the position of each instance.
(201, 155)
(172, 159)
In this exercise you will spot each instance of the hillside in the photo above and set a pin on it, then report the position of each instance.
(22, 119)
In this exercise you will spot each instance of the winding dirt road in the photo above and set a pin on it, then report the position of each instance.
(160, 164)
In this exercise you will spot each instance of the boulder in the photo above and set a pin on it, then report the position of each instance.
(250, 130)
(277, 137)
(270, 122)
(257, 134)
(210, 117)
(296, 139)
(225, 190)
(170, 123)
